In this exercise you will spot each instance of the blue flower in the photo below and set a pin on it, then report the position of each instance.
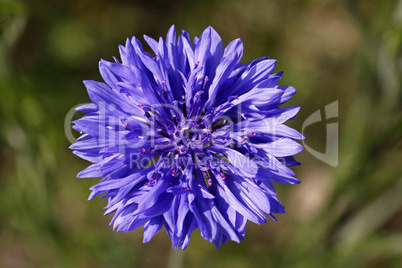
(190, 138)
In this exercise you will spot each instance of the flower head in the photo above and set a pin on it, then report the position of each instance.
(190, 138)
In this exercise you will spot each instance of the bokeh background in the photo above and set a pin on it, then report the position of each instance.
(346, 51)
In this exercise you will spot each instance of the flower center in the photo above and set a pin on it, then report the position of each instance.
(190, 135)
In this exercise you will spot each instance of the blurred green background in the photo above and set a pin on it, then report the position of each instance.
(347, 51)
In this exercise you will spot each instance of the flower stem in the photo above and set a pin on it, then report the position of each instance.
(176, 258)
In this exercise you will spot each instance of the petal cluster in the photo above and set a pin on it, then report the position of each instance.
(188, 138)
